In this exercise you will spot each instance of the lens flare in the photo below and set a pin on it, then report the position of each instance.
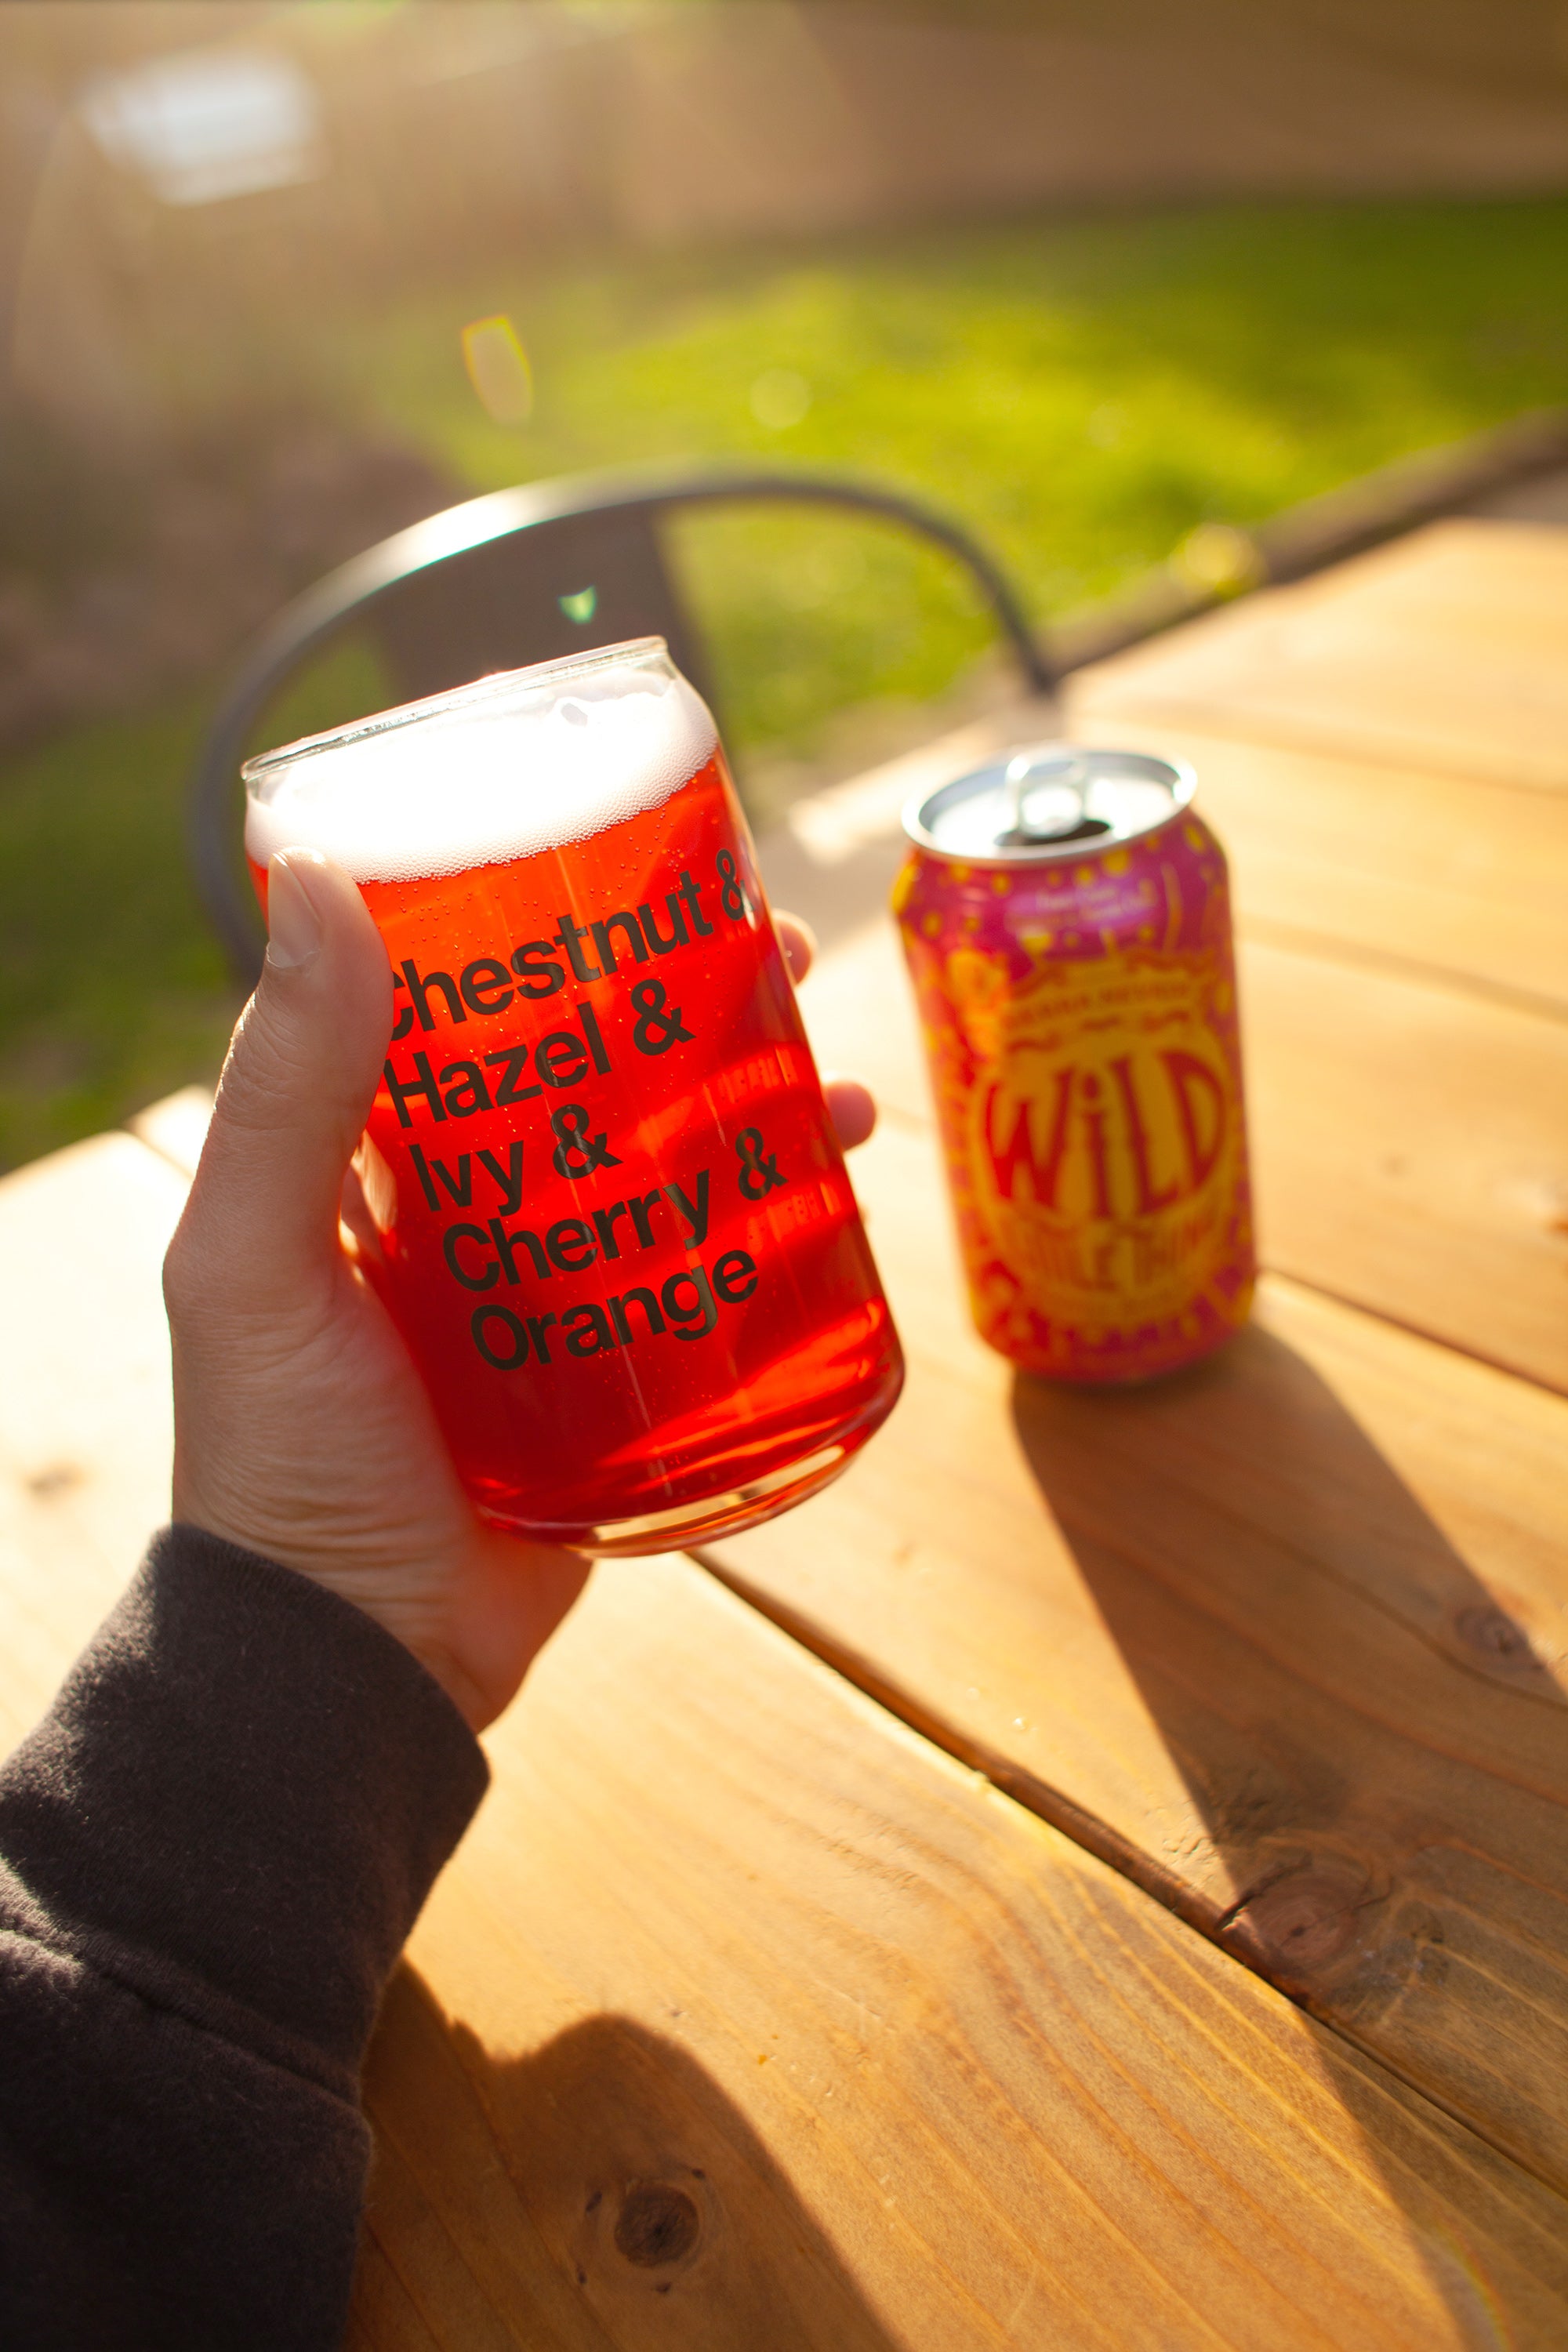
(498, 369)
(779, 398)
(1218, 561)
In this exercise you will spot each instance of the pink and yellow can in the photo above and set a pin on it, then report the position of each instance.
(1066, 916)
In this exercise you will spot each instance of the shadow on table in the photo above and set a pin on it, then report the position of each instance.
(1276, 1592)
(606, 2192)
(1242, 1537)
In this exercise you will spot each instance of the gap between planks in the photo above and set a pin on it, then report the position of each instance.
(1434, 1338)
(1300, 939)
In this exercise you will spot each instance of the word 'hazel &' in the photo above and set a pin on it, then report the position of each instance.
(480, 1257)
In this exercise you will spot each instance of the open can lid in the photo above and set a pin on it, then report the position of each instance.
(1049, 800)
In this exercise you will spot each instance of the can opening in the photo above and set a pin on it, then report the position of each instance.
(1085, 829)
(1045, 800)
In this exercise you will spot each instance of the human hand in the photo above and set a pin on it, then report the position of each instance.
(302, 1429)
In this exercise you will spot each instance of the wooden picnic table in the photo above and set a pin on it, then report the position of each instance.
(1097, 1876)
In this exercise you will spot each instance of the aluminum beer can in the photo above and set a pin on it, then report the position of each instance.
(1066, 917)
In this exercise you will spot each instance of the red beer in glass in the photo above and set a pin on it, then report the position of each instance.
(618, 1234)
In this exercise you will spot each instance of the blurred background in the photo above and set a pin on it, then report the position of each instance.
(1111, 281)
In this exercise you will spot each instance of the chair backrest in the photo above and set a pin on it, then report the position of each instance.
(545, 589)
(517, 577)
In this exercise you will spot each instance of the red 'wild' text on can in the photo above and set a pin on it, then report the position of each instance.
(1066, 917)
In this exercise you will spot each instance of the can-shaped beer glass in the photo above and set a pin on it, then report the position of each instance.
(616, 1231)
(1066, 917)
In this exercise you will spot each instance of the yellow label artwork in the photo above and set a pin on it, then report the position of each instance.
(1104, 1131)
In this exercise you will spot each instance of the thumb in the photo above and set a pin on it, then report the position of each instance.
(297, 1086)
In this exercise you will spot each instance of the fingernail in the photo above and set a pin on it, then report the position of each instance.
(293, 925)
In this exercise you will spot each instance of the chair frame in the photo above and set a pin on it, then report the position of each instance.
(319, 611)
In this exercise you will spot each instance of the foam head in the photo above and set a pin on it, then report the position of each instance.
(517, 764)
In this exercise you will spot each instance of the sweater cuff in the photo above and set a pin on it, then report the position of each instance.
(239, 1800)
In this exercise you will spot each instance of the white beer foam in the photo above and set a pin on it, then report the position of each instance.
(496, 778)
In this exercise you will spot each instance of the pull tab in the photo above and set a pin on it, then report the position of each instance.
(1057, 812)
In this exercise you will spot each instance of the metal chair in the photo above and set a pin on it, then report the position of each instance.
(492, 584)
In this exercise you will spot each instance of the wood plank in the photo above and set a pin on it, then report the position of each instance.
(1443, 651)
(1286, 1637)
(1412, 1152)
(1387, 864)
(86, 1426)
(1410, 1142)
(743, 2018)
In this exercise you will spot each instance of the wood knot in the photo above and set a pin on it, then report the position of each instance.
(1293, 1930)
(55, 1478)
(657, 2225)
(1501, 1643)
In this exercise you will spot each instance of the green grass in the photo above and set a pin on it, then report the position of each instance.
(110, 992)
(1083, 392)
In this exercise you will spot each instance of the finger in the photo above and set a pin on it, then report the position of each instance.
(852, 1109)
(297, 1086)
(798, 941)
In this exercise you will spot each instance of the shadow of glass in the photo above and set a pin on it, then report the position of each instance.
(609, 2193)
(1291, 1616)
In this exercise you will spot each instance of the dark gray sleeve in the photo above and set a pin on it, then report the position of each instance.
(211, 1851)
